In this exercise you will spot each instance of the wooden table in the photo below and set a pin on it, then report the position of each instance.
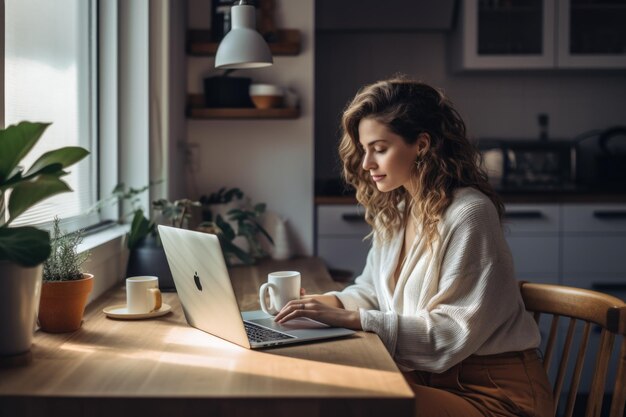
(163, 367)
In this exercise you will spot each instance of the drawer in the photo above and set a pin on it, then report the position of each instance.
(347, 253)
(590, 258)
(342, 220)
(536, 259)
(531, 218)
(594, 218)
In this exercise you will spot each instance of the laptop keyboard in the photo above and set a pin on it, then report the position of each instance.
(259, 334)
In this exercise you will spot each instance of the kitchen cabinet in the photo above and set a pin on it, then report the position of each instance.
(594, 257)
(540, 34)
(594, 247)
(340, 233)
(505, 35)
(592, 34)
(532, 232)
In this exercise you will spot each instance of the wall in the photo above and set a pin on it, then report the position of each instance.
(270, 160)
(500, 104)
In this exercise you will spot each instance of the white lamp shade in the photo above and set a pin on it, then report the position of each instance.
(243, 46)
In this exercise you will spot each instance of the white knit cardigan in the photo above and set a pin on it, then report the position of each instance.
(459, 299)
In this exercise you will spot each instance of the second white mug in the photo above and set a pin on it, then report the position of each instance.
(142, 294)
(282, 286)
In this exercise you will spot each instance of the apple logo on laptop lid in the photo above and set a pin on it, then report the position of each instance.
(196, 279)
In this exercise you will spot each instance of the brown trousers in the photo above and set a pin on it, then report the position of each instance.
(507, 384)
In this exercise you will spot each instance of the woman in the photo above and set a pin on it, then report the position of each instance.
(438, 285)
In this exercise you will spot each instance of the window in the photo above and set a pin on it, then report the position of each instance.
(50, 75)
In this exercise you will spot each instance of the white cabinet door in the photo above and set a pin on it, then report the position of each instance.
(594, 245)
(536, 258)
(532, 232)
(344, 253)
(340, 233)
(591, 34)
(594, 257)
(506, 35)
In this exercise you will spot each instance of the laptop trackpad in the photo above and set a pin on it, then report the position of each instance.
(300, 323)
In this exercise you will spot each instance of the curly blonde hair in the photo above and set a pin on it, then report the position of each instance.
(409, 108)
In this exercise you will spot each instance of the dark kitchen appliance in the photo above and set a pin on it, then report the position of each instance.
(530, 164)
(611, 161)
(225, 91)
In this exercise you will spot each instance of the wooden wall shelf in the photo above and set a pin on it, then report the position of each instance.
(196, 110)
(199, 43)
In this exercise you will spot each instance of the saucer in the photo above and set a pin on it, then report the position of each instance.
(121, 312)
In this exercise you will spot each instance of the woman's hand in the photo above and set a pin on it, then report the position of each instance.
(317, 310)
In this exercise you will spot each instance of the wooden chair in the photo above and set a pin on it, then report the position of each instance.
(588, 307)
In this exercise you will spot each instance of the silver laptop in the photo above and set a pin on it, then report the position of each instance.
(209, 303)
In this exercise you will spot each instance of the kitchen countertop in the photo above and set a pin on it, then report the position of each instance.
(580, 195)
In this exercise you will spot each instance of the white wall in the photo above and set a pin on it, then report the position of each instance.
(270, 160)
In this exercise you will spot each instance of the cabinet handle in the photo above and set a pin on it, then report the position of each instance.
(601, 214)
(530, 214)
(605, 286)
(353, 217)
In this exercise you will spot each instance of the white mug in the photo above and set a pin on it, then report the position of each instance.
(283, 286)
(142, 294)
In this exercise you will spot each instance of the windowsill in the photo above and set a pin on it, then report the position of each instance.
(102, 237)
(107, 259)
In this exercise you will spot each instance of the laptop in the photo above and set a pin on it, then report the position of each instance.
(208, 299)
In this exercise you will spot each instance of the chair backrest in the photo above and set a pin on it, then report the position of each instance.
(589, 307)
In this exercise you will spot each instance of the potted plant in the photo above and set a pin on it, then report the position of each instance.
(65, 287)
(23, 249)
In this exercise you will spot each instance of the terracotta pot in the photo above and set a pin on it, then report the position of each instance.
(63, 304)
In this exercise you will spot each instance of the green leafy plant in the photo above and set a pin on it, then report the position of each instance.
(246, 221)
(64, 262)
(27, 245)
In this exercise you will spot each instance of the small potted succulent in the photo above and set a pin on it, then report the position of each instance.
(65, 286)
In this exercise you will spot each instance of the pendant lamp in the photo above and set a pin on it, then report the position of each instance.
(243, 46)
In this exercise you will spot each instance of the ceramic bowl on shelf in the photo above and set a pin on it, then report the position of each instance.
(266, 96)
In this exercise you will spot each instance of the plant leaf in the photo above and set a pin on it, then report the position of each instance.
(29, 193)
(26, 246)
(231, 248)
(227, 230)
(139, 229)
(66, 156)
(15, 143)
(264, 232)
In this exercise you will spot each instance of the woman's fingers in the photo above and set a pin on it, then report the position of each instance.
(293, 306)
(302, 292)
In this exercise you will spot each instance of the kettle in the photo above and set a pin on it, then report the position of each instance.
(611, 161)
